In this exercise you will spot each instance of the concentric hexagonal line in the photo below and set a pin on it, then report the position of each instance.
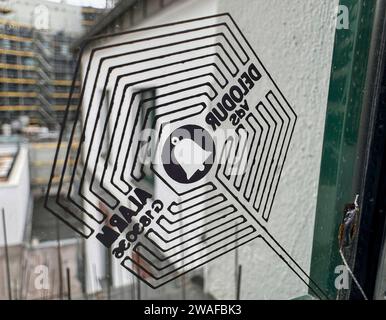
(204, 190)
(177, 53)
(233, 147)
(233, 211)
(234, 158)
(112, 140)
(216, 216)
(211, 202)
(228, 42)
(172, 64)
(234, 221)
(219, 238)
(264, 130)
(204, 248)
(279, 137)
(274, 102)
(268, 156)
(93, 133)
(217, 227)
(183, 37)
(164, 257)
(201, 200)
(263, 114)
(228, 226)
(255, 141)
(135, 125)
(216, 220)
(275, 139)
(245, 155)
(155, 283)
(222, 243)
(86, 76)
(114, 167)
(70, 191)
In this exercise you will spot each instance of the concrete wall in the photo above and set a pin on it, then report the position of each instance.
(14, 198)
(294, 39)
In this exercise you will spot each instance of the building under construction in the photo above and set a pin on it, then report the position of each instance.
(36, 63)
(36, 71)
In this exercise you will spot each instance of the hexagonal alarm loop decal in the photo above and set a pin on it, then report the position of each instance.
(177, 148)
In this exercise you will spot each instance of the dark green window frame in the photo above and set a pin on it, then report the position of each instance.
(343, 144)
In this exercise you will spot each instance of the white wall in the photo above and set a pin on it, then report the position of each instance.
(14, 198)
(294, 39)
